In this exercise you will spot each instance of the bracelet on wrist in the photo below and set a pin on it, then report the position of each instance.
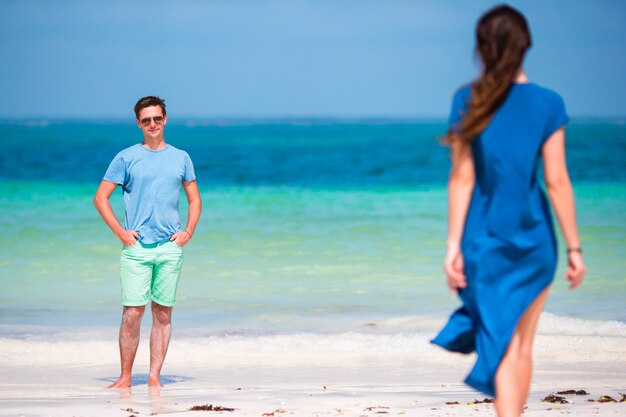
(187, 233)
(578, 249)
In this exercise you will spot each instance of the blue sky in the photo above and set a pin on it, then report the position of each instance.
(244, 58)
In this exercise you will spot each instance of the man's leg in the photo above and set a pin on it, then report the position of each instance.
(159, 341)
(164, 286)
(135, 277)
(129, 341)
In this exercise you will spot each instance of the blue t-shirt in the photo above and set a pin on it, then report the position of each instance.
(151, 182)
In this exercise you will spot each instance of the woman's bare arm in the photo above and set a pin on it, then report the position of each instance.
(460, 187)
(561, 196)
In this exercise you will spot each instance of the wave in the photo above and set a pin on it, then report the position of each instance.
(564, 325)
(404, 338)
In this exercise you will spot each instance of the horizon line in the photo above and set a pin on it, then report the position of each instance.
(201, 120)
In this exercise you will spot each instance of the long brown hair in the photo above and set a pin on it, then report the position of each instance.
(502, 39)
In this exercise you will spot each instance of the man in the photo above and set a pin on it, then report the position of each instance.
(151, 175)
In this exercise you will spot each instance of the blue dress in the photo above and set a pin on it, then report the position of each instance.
(508, 241)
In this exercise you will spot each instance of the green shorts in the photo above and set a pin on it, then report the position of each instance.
(150, 272)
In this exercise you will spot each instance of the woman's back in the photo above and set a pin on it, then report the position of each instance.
(507, 196)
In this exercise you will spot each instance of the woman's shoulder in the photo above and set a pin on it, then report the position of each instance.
(461, 98)
(551, 104)
(464, 92)
(544, 93)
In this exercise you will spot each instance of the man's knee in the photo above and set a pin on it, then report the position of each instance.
(161, 314)
(133, 314)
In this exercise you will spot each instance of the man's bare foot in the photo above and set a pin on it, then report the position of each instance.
(123, 382)
(154, 382)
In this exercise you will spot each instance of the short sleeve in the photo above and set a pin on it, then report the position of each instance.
(558, 116)
(116, 173)
(459, 107)
(190, 173)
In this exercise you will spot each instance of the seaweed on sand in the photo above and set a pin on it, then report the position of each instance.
(555, 399)
(210, 407)
(573, 392)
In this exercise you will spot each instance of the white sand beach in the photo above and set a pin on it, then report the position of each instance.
(322, 374)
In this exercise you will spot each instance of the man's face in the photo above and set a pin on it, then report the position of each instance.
(151, 121)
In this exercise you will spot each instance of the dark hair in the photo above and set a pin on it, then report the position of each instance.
(502, 39)
(149, 101)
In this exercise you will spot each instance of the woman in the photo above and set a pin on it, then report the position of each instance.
(501, 251)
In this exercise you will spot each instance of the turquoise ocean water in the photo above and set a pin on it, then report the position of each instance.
(308, 225)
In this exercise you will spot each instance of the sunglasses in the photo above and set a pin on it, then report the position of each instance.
(156, 119)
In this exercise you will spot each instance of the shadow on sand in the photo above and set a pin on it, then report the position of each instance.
(142, 379)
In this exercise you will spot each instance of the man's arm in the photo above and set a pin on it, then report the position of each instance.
(101, 201)
(195, 208)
